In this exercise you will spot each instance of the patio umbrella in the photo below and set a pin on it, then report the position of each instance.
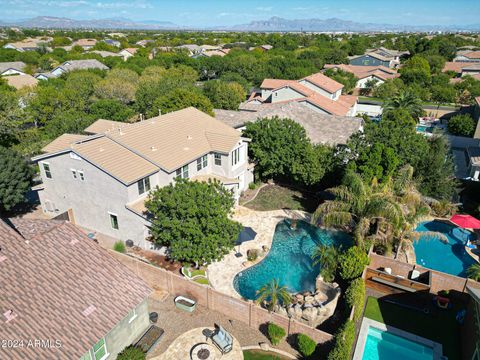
(247, 234)
(466, 221)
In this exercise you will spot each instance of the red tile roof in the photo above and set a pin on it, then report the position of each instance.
(324, 82)
(275, 83)
(473, 55)
(52, 273)
(455, 66)
(361, 72)
(338, 108)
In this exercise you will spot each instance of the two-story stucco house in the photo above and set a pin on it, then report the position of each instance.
(364, 74)
(105, 177)
(378, 57)
(317, 91)
(65, 297)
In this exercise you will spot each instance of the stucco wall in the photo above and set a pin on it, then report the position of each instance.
(361, 84)
(284, 94)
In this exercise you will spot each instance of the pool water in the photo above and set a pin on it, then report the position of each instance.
(290, 259)
(424, 129)
(450, 258)
(382, 344)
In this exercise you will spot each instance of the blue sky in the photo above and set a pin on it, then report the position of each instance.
(228, 12)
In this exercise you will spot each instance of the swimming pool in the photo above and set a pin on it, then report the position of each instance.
(449, 258)
(289, 260)
(424, 129)
(383, 344)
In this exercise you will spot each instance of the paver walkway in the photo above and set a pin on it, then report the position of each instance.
(176, 322)
(222, 273)
(183, 345)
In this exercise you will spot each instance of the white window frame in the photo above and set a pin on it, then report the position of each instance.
(47, 172)
(217, 159)
(104, 346)
(110, 214)
(143, 183)
(236, 156)
(202, 162)
(180, 173)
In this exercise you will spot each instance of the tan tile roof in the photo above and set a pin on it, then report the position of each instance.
(177, 138)
(362, 72)
(324, 82)
(63, 142)
(85, 42)
(456, 66)
(21, 81)
(49, 282)
(339, 108)
(115, 159)
(275, 83)
(102, 126)
(132, 51)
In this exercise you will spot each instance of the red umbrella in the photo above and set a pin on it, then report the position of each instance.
(466, 221)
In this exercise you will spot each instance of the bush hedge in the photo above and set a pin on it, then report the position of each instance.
(352, 262)
(131, 353)
(344, 340)
(355, 297)
(119, 246)
(275, 333)
(306, 345)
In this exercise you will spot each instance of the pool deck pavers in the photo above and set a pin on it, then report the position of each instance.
(222, 273)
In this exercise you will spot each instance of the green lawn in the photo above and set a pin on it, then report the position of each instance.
(274, 197)
(261, 355)
(202, 280)
(440, 326)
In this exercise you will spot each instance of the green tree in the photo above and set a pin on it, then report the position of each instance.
(111, 110)
(473, 272)
(224, 95)
(181, 98)
(347, 79)
(327, 257)
(193, 219)
(119, 84)
(306, 345)
(273, 294)
(416, 70)
(355, 297)
(389, 89)
(404, 101)
(281, 149)
(15, 179)
(461, 125)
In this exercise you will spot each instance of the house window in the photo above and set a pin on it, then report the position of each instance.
(82, 175)
(218, 159)
(46, 168)
(235, 156)
(202, 162)
(132, 315)
(182, 172)
(74, 173)
(114, 221)
(100, 350)
(143, 185)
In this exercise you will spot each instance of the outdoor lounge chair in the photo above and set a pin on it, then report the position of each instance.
(222, 339)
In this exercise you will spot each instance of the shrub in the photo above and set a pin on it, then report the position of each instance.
(355, 297)
(252, 186)
(352, 262)
(461, 125)
(131, 353)
(344, 340)
(119, 246)
(306, 345)
(252, 254)
(275, 333)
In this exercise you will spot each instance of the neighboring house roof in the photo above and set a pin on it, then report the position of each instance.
(131, 51)
(82, 65)
(320, 128)
(21, 81)
(362, 72)
(15, 65)
(472, 55)
(275, 83)
(61, 286)
(324, 82)
(220, 53)
(63, 142)
(341, 107)
(85, 42)
(24, 44)
(455, 66)
(104, 54)
(102, 126)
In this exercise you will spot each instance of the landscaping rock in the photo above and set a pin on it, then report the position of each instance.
(264, 346)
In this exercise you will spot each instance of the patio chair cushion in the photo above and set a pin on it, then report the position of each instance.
(222, 338)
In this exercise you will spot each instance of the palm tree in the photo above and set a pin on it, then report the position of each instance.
(327, 257)
(473, 272)
(406, 101)
(272, 294)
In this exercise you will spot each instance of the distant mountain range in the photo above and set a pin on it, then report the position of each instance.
(272, 24)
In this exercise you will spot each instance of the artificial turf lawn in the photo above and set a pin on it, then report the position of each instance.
(439, 326)
(261, 355)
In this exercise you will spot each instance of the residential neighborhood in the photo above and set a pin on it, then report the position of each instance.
(239, 181)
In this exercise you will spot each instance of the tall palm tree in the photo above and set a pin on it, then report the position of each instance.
(406, 100)
(327, 257)
(272, 293)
